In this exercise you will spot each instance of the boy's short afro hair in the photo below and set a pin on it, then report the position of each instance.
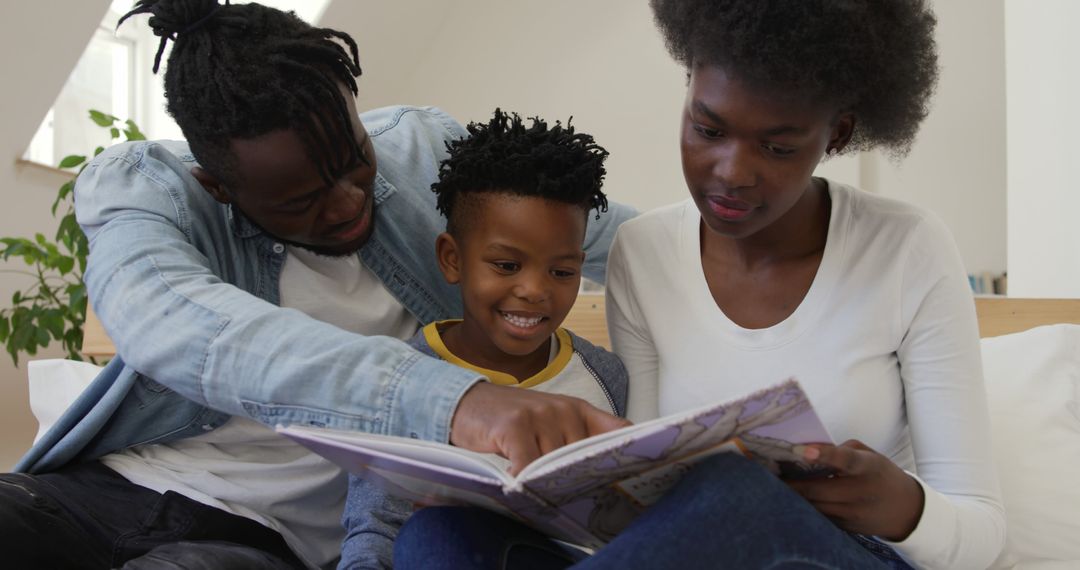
(876, 59)
(504, 156)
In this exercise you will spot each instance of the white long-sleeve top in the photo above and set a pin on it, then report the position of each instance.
(885, 343)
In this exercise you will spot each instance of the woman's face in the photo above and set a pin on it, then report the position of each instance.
(748, 154)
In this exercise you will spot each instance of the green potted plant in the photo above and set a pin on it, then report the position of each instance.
(53, 307)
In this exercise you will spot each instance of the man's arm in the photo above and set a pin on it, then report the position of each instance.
(598, 237)
(174, 320)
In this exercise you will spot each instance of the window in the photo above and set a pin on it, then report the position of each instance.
(114, 76)
(102, 80)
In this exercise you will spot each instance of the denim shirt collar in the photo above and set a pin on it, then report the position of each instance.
(241, 226)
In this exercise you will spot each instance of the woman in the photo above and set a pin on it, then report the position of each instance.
(767, 272)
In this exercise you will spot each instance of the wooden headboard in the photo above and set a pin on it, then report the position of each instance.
(94, 341)
(1002, 315)
(997, 316)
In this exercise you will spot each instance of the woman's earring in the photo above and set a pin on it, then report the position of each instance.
(833, 151)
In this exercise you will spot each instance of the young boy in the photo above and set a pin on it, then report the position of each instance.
(517, 200)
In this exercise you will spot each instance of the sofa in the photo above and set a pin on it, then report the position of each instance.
(1031, 363)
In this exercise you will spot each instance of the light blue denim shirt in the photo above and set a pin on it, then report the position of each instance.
(188, 290)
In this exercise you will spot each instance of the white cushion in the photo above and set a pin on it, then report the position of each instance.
(54, 385)
(1033, 389)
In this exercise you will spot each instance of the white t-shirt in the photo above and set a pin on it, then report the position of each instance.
(885, 344)
(247, 469)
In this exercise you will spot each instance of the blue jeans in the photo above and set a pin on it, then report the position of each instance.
(727, 511)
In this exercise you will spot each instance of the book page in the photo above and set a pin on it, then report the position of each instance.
(604, 484)
(766, 417)
(649, 486)
(586, 492)
(574, 451)
(448, 458)
(422, 491)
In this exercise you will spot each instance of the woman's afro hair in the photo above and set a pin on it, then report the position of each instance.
(876, 59)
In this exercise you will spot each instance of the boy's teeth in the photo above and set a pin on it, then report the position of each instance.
(522, 321)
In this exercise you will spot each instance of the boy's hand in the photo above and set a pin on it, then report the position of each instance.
(869, 494)
(522, 425)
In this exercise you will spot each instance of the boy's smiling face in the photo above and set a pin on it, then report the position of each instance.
(518, 260)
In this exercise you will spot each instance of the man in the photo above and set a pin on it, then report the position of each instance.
(258, 275)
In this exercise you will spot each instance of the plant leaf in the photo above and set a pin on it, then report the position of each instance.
(64, 192)
(41, 335)
(13, 249)
(65, 264)
(102, 119)
(22, 335)
(53, 320)
(132, 131)
(72, 160)
(65, 233)
(77, 297)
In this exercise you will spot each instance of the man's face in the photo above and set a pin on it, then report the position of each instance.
(280, 189)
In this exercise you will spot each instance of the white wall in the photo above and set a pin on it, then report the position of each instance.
(604, 63)
(601, 62)
(1043, 120)
(957, 166)
(39, 45)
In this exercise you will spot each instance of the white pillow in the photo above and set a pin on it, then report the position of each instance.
(1033, 389)
(54, 385)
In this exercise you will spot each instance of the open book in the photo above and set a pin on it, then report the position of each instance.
(588, 491)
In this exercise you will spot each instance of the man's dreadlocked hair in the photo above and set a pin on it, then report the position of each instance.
(242, 71)
(503, 156)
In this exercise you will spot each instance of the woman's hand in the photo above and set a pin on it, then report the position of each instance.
(868, 493)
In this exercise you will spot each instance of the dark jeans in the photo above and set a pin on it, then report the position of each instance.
(88, 516)
(727, 512)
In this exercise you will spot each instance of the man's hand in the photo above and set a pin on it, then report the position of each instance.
(868, 494)
(522, 425)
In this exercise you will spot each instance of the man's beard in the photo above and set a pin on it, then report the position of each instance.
(322, 251)
(318, 250)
